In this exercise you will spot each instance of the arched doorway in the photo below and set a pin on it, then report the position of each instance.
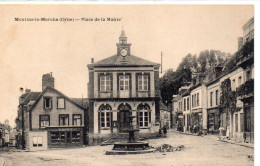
(123, 117)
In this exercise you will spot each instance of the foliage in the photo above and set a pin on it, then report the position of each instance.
(227, 97)
(246, 88)
(171, 81)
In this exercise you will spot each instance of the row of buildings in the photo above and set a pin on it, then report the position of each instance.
(222, 98)
(120, 87)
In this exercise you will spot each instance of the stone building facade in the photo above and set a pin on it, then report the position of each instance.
(122, 86)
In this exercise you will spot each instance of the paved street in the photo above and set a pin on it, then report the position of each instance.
(198, 151)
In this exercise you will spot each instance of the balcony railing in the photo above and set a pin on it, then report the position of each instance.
(246, 89)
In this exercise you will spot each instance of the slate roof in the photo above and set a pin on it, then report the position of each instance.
(32, 96)
(117, 60)
(81, 101)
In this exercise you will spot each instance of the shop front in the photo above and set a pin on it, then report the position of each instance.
(61, 137)
(213, 120)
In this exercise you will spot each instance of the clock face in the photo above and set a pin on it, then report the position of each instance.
(123, 52)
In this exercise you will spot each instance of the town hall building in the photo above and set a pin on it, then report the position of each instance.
(123, 86)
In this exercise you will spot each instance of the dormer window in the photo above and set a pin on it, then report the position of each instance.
(47, 103)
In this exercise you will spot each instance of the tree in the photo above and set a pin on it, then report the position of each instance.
(171, 81)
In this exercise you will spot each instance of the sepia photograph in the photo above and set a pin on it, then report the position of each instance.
(124, 85)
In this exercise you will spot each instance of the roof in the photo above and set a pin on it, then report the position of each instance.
(61, 94)
(32, 96)
(81, 101)
(117, 60)
(163, 107)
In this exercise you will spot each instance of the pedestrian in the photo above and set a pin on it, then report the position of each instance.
(164, 130)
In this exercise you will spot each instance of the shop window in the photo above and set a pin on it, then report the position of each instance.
(124, 82)
(60, 103)
(144, 115)
(37, 141)
(75, 137)
(241, 122)
(105, 83)
(47, 102)
(44, 120)
(77, 120)
(64, 119)
(55, 137)
(105, 115)
(142, 82)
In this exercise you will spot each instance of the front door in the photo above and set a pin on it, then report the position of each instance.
(124, 121)
(123, 118)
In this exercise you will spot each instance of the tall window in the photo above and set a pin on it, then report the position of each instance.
(216, 97)
(188, 103)
(37, 141)
(184, 104)
(60, 103)
(211, 98)
(198, 99)
(64, 119)
(124, 82)
(105, 115)
(144, 115)
(105, 83)
(143, 82)
(44, 120)
(47, 102)
(77, 120)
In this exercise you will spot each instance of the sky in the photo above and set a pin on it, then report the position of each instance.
(29, 49)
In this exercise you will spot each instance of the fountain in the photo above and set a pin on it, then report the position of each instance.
(132, 146)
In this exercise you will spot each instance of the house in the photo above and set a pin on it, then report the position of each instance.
(165, 116)
(50, 119)
(120, 87)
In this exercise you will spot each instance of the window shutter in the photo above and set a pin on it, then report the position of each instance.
(99, 122)
(149, 114)
(51, 103)
(43, 102)
(111, 121)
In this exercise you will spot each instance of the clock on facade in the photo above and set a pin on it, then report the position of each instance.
(123, 52)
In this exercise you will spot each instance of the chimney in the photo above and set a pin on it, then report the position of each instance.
(240, 42)
(47, 79)
(27, 90)
(92, 60)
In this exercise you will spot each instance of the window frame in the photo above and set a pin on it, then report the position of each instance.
(107, 114)
(40, 117)
(37, 144)
(141, 116)
(142, 89)
(107, 87)
(44, 103)
(58, 98)
(73, 118)
(124, 80)
(211, 99)
(60, 115)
